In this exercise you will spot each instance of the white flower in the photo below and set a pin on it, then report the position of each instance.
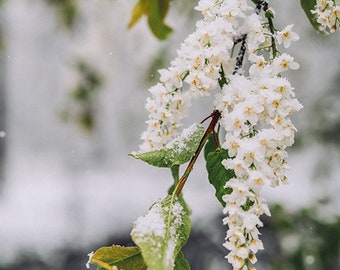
(206, 7)
(286, 36)
(255, 32)
(251, 221)
(252, 152)
(283, 63)
(237, 165)
(260, 67)
(231, 143)
(171, 78)
(255, 245)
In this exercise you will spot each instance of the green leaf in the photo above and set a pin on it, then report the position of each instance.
(157, 12)
(175, 172)
(307, 6)
(211, 146)
(119, 256)
(269, 14)
(249, 203)
(175, 175)
(218, 175)
(162, 232)
(140, 9)
(181, 263)
(177, 152)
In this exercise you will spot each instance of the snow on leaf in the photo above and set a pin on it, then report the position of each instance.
(162, 232)
(176, 152)
(118, 256)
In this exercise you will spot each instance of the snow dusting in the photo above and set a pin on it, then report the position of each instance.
(90, 257)
(179, 142)
(150, 224)
(176, 222)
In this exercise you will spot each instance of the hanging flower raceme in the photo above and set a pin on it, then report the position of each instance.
(257, 134)
(254, 104)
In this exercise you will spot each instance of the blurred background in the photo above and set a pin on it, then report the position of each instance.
(73, 82)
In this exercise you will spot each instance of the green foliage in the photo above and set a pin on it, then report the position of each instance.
(317, 240)
(162, 233)
(249, 203)
(119, 256)
(83, 97)
(160, 236)
(177, 152)
(67, 10)
(156, 11)
(217, 174)
(212, 144)
(269, 14)
(181, 263)
(175, 175)
(307, 6)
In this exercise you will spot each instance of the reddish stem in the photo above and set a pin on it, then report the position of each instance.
(181, 182)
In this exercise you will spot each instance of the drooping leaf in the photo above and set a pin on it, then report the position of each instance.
(218, 175)
(307, 6)
(121, 257)
(140, 9)
(177, 152)
(156, 16)
(162, 232)
(156, 11)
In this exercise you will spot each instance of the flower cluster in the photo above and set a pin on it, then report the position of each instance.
(254, 114)
(255, 105)
(194, 72)
(328, 14)
(255, 109)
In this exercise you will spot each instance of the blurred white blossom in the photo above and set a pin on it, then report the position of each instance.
(327, 14)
